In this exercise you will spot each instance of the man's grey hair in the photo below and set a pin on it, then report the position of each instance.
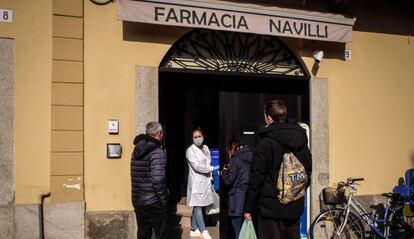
(152, 128)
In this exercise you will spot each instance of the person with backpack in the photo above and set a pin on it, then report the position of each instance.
(237, 176)
(279, 175)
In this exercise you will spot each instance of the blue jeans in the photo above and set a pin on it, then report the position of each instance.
(237, 224)
(197, 220)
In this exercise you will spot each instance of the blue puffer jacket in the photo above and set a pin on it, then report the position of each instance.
(238, 177)
(148, 176)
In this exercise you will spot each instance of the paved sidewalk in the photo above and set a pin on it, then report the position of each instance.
(214, 232)
(183, 222)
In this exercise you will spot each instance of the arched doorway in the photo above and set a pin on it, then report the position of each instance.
(222, 51)
(219, 81)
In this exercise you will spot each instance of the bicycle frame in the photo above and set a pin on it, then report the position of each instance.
(362, 213)
(407, 199)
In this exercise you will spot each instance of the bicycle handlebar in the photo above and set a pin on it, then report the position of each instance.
(350, 181)
(355, 179)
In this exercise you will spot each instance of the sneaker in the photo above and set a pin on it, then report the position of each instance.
(205, 235)
(195, 233)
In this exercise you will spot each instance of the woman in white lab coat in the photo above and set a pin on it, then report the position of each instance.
(199, 188)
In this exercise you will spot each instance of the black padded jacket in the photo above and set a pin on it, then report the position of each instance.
(148, 176)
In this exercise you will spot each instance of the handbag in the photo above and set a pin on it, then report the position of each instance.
(247, 230)
(214, 208)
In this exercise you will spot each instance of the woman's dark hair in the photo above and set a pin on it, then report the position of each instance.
(277, 110)
(199, 130)
(234, 145)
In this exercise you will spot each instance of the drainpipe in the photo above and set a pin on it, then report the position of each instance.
(41, 224)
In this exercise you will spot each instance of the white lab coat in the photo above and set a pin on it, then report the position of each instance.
(199, 188)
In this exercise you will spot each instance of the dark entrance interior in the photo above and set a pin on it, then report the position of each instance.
(224, 105)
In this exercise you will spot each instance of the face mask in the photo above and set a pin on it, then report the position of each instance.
(198, 141)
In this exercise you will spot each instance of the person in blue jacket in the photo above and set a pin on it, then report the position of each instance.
(237, 176)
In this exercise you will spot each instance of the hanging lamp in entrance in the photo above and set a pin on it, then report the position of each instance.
(101, 2)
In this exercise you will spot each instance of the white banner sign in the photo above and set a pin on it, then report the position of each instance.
(239, 19)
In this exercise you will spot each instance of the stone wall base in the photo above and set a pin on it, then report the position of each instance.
(6, 222)
(61, 221)
(111, 224)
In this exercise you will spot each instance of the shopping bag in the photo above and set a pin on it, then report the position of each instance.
(247, 230)
(214, 208)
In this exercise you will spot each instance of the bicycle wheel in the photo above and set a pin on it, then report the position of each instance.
(400, 226)
(328, 222)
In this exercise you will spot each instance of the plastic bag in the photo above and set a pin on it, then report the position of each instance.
(214, 208)
(247, 231)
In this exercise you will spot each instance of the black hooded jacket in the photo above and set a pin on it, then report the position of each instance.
(148, 176)
(275, 140)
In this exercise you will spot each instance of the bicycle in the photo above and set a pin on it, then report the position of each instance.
(404, 226)
(346, 216)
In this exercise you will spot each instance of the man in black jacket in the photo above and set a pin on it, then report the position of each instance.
(276, 220)
(148, 183)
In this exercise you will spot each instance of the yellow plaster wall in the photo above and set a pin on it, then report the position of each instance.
(371, 111)
(109, 92)
(370, 106)
(32, 33)
(66, 175)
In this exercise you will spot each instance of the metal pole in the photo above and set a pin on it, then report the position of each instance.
(41, 224)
